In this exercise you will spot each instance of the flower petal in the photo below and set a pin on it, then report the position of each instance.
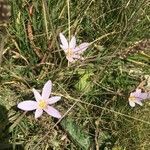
(144, 96)
(70, 59)
(140, 95)
(132, 94)
(131, 103)
(137, 92)
(53, 99)
(64, 48)
(81, 48)
(27, 105)
(63, 41)
(139, 102)
(47, 90)
(36, 95)
(53, 112)
(76, 56)
(72, 43)
(38, 113)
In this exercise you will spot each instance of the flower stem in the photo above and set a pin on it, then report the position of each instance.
(68, 7)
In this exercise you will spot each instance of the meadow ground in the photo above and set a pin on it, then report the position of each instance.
(94, 103)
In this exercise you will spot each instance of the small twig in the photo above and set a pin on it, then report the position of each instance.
(1, 48)
(103, 36)
(45, 18)
(16, 122)
(54, 125)
(31, 40)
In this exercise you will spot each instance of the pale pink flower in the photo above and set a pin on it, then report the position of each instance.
(138, 96)
(72, 52)
(42, 102)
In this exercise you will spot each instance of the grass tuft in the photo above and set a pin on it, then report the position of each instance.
(94, 92)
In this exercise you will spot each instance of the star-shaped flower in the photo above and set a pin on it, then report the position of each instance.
(42, 102)
(72, 52)
(137, 96)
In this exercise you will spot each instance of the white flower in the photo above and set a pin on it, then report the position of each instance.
(72, 52)
(137, 96)
(42, 102)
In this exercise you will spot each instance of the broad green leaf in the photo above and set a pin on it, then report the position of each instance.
(84, 84)
(76, 134)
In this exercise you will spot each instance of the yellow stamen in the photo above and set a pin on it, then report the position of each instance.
(69, 52)
(132, 98)
(42, 104)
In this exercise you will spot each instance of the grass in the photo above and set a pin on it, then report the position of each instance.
(94, 92)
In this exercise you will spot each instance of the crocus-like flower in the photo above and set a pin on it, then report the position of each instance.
(42, 102)
(72, 52)
(137, 97)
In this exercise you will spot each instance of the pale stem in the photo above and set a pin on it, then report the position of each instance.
(103, 36)
(68, 7)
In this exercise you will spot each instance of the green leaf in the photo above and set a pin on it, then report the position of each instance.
(76, 134)
(84, 84)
